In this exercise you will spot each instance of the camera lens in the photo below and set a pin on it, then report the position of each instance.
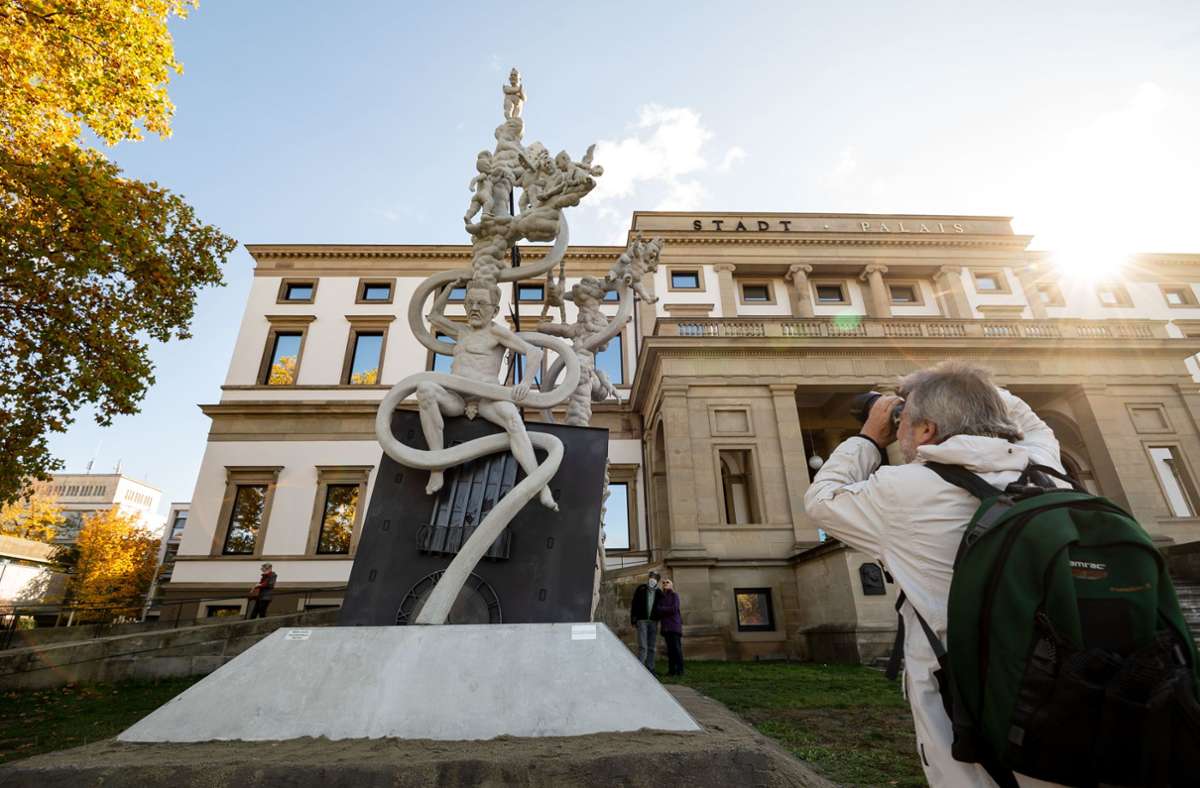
(860, 405)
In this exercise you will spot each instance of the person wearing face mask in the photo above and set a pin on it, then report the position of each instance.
(644, 617)
(671, 621)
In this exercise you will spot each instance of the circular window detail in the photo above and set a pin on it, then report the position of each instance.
(477, 603)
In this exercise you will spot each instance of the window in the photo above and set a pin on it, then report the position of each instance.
(612, 295)
(756, 293)
(222, 611)
(737, 486)
(375, 292)
(903, 294)
(245, 519)
(365, 358)
(1113, 295)
(1050, 295)
(458, 294)
(616, 517)
(609, 361)
(1178, 295)
(754, 610)
(830, 293)
(531, 293)
(284, 359)
(297, 291)
(180, 523)
(442, 362)
(1176, 485)
(986, 283)
(337, 521)
(685, 280)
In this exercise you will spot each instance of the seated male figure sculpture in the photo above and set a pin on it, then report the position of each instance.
(478, 354)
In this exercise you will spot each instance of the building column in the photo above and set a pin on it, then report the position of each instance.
(948, 287)
(878, 302)
(799, 293)
(728, 289)
(681, 472)
(1027, 276)
(795, 463)
(647, 312)
(1100, 418)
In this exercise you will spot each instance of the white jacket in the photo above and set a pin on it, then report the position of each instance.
(912, 520)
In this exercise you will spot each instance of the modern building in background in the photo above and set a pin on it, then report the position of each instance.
(81, 494)
(177, 517)
(733, 386)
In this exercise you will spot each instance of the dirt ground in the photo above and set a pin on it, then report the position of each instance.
(726, 752)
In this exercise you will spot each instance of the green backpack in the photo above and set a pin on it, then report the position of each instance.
(1068, 658)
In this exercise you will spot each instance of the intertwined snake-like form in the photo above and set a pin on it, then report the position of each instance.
(437, 606)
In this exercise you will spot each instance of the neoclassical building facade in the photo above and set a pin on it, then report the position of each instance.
(733, 385)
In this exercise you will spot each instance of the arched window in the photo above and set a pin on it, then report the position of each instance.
(737, 484)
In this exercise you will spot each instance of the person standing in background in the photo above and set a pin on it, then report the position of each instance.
(261, 594)
(671, 621)
(644, 619)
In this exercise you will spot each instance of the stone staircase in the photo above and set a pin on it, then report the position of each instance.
(1189, 600)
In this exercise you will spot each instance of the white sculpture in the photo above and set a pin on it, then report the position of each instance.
(514, 95)
(587, 335)
(472, 387)
(638, 259)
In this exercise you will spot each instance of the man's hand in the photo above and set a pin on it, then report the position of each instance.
(879, 426)
(520, 391)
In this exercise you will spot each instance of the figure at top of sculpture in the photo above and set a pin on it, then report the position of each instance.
(514, 95)
(590, 323)
(479, 346)
(638, 259)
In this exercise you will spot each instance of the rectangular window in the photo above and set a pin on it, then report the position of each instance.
(756, 293)
(245, 519)
(616, 517)
(685, 280)
(365, 358)
(222, 611)
(1178, 295)
(296, 291)
(442, 362)
(608, 361)
(903, 294)
(531, 293)
(1050, 295)
(612, 295)
(458, 294)
(377, 292)
(337, 520)
(754, 610)
(737, 486)
(285, 357)
(1178, 488)
(831, 294)
(179, 524)
(987, 283)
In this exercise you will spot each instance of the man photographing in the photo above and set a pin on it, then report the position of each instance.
(911, 519)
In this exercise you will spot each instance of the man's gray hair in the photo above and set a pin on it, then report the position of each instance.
(960, 399)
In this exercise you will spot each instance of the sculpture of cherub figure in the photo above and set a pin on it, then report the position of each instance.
(482, 186)
(514, 95)
(479, 346)
(536, 172)
(638, 259)
(594, 385)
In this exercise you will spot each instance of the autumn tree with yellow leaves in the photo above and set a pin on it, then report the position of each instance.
(36, 517)
(114, 566)
(94, 263)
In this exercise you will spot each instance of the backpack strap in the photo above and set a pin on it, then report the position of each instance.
(961, 477)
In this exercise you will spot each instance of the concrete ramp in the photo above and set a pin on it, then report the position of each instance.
(446, 682)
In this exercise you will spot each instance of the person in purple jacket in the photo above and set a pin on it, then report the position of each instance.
(666, 609)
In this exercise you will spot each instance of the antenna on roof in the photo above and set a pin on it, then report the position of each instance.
(117, 470)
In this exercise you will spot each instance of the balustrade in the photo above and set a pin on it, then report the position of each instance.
(910, 328)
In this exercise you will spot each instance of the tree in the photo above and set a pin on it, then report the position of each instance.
(114, 567)
(92, 265)
(36, 517)
(67, 63)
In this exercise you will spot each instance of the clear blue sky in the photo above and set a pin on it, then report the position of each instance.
(358, 122)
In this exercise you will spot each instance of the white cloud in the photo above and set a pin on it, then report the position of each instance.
(732, 157)
(661, 163)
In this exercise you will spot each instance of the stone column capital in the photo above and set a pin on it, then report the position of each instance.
(721, 268)
(797, 272)
(949, 270)
(873, 268)
(782, 388)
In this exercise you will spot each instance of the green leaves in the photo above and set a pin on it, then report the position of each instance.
(92, 265)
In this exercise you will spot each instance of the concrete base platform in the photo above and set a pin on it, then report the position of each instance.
(451, 683)
(725, 752)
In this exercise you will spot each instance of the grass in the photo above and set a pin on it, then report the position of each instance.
(37, 721)
(847, 721)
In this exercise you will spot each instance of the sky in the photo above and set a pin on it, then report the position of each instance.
(359, 122)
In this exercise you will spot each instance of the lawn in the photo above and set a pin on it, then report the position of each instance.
(848, 721)
(36, 721)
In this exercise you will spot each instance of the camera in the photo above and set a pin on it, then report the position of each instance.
(861, 404)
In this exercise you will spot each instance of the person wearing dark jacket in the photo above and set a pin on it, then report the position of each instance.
(645, 620)
(261, 594)
(671, 621)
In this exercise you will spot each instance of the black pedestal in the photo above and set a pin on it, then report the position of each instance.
(541, 568)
